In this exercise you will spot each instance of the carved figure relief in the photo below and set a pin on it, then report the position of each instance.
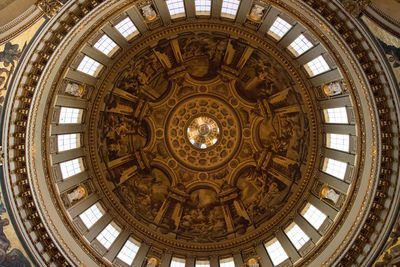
(332, 89)
(49, 7)
(330, 194)
(149, 13)
(74, 89)
(253, 263)
(256, 13)
(77, 194)
(152, 262)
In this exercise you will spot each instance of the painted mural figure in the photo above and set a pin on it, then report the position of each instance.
(9, 57)
(13, 257)
(393, 53)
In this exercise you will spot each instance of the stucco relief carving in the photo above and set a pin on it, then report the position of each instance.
(355, 7)
(49, 7)
(256, 13)
(149, 13)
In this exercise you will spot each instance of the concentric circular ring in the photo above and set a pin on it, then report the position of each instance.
(203, 131)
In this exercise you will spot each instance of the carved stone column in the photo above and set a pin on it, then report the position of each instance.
(166, 260)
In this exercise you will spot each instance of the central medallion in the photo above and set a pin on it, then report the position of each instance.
(203, 132)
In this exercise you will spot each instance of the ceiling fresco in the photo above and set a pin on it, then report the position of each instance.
(164, 107)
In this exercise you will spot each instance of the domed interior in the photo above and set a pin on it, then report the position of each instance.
(166, 136)
(204, 138)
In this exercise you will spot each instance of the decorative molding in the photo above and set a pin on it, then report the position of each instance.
(386, 22)
(49, 7)
(20, 24)
(355, 7)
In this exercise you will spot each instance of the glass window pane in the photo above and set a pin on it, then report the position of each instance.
(126, 28)
(89, 66)
(128, 252)
(202, 6)
(229, 8)
(338, 141)
(226, 262)
(70, 115)
(176, 7)
(300, 45)
(336, 115)
(71, 167)
(276, 251)
(296, 235)
(279, 28)
(313, 215)
(176, 262)
(90, 216)
(202, 263)
(335, 168)
(108, 236)
(105, 45)
(68, 141)
(317, 66)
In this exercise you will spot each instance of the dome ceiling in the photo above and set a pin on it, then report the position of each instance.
(204, 139)
(201, 137)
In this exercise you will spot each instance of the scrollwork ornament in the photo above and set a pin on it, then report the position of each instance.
(49, 7)
(355, 7)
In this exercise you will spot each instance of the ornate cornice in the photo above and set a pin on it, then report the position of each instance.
(20, 24)
(355, 7)
(49, 7)
(386, 22)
